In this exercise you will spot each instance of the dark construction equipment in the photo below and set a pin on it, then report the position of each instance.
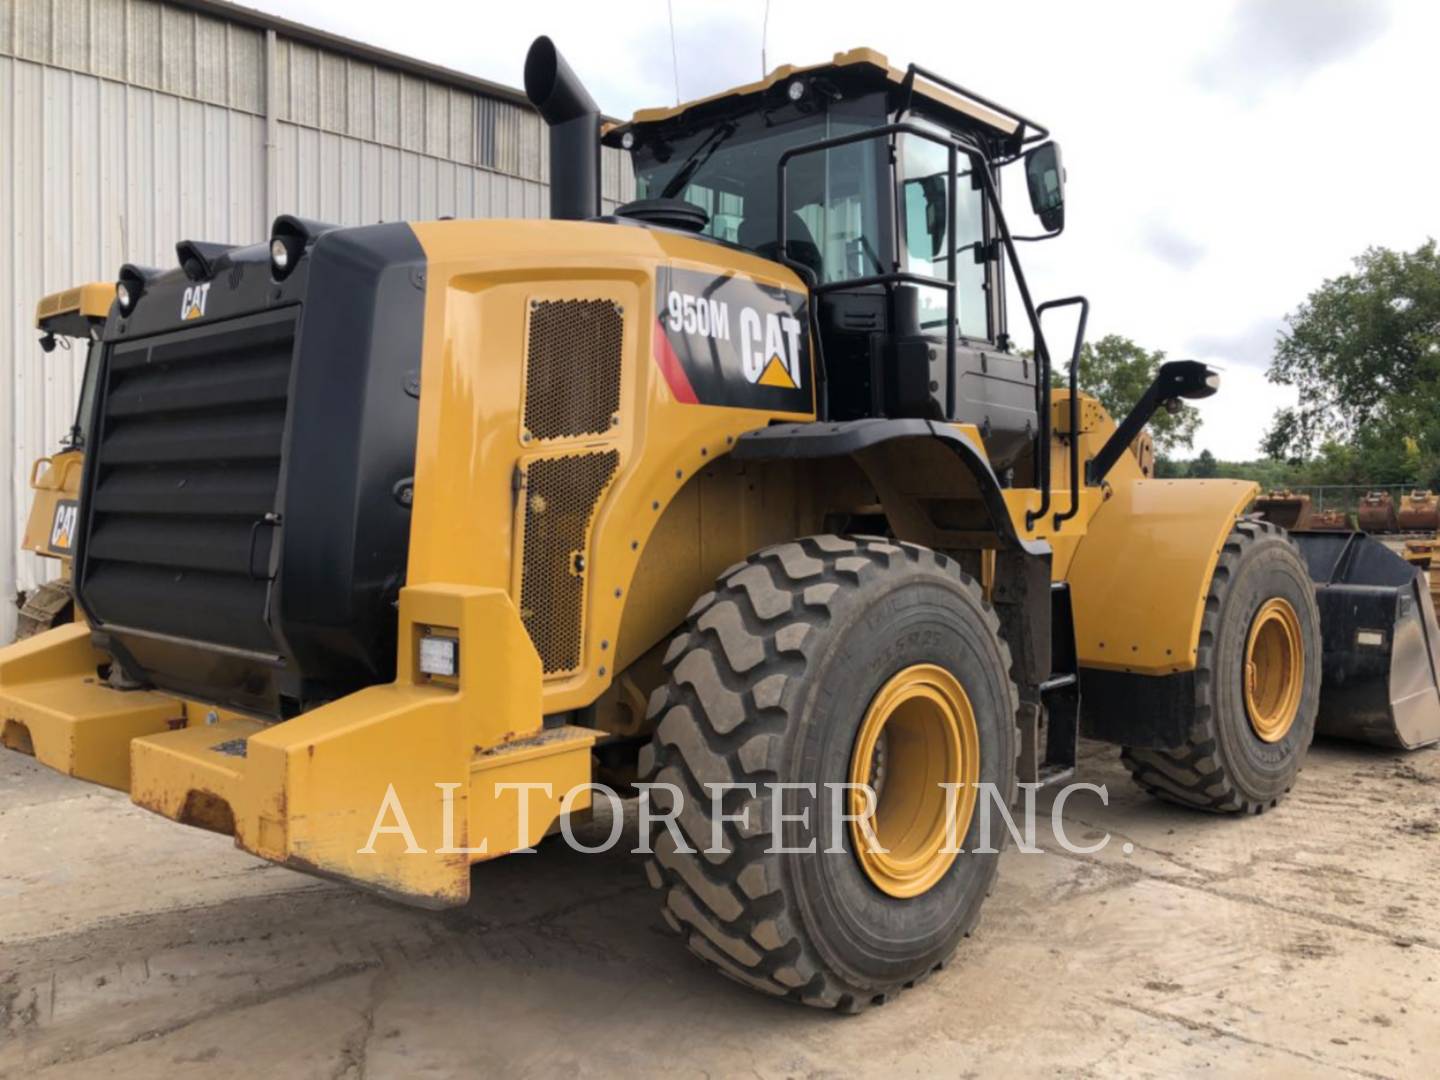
(1377, 513)
(1381, 654)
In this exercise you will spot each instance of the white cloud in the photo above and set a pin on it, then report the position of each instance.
(1223, 159)
(1272, 42)
(1171, 246)
(1251, 346)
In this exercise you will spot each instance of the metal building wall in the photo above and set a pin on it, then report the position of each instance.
(132, 124)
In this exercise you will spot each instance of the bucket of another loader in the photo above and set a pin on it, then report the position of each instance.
(1376, 513)
(1381, 665)
(1289, 509)
(1419, 512)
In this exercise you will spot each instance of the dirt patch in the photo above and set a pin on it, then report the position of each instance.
(1160, 986)
(1406, 771)
(136, 947)
(1314, 945)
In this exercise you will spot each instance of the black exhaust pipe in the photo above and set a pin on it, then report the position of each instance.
(574, 121)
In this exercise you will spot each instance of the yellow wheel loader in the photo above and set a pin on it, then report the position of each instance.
(393, 539)
(75, 315)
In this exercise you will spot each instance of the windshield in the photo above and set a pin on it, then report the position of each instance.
(731, 172)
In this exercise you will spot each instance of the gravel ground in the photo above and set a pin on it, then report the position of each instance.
(1306, 942)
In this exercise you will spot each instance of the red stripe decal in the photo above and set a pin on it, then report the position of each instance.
(671, 367)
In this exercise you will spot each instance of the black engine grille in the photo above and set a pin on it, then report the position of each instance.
(185, 481)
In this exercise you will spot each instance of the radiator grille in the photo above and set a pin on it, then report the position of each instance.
(572, 368)
(187, 466)
(561, 495)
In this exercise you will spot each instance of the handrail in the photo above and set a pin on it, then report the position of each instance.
(1042, 352)
(907, 86)
(1069, 301)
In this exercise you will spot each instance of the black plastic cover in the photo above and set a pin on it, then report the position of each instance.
(239, 540)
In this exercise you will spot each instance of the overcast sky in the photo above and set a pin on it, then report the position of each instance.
(1223, 158)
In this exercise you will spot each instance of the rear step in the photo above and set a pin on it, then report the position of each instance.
(54, 706)
(1381, 660)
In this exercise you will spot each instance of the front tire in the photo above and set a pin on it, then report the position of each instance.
(776, 678)
(1257, 683)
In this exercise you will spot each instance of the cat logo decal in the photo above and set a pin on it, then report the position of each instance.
(733, 341)
(192, 304)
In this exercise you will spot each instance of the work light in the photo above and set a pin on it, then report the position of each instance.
(440, 656)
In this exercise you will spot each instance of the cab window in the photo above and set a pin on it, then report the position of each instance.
(925, 244)
(833, 196)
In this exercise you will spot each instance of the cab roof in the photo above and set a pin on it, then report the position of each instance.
(71, 311)
(866, 65)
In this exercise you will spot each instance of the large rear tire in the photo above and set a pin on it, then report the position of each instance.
(1257, 683)
(802, 659)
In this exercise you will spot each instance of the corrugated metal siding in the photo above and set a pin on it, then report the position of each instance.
(132, 124)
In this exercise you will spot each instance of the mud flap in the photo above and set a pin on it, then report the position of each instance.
(1381, 660)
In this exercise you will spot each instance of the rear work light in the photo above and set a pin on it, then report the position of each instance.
(440, 656)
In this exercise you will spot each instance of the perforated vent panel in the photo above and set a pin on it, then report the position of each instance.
(58, 302)
(572, 368)
(560, 498)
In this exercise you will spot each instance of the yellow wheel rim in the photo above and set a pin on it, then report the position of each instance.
(1274, 670)
(918, 734)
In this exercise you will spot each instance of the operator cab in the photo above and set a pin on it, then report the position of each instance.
(851, 161)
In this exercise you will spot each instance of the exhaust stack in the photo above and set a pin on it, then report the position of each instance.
(574, 122)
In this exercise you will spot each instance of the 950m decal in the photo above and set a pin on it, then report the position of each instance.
(728, 340)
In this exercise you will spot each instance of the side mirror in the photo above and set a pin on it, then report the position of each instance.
(1045, 177)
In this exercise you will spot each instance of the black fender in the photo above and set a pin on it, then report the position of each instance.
(1021, 592)
(827, 439)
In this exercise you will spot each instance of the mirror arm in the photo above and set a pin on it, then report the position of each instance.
(1042, 236)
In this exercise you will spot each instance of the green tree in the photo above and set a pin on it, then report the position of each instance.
(1363, 351)
(1205, 467)
(1118, 372)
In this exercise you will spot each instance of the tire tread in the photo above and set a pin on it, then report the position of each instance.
(731, 908)
(1195, 775)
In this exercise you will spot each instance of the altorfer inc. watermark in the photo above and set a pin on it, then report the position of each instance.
(785, 811)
